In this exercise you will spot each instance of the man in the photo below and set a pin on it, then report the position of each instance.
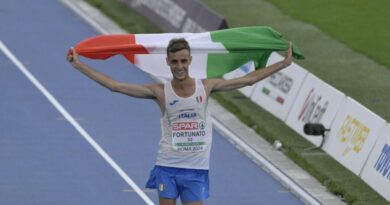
(183, 157)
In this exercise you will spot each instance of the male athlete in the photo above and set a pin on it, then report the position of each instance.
(183, 158)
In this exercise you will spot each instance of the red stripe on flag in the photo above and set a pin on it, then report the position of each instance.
(106, 46)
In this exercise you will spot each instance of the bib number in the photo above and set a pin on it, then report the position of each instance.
(189, 136)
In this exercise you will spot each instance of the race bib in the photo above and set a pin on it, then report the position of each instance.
(189, 136)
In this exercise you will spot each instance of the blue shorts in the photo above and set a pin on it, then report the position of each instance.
(191, 185)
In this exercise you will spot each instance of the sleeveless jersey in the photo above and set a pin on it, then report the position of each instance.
(186, 130)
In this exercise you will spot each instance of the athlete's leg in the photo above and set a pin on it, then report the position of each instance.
(166, 201)
(194, 203)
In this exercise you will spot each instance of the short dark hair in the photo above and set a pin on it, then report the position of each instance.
(177, 44)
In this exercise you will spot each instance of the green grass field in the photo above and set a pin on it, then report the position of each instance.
(335, 51)
(362, 25)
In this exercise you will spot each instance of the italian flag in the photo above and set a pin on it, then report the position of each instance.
(213, 53)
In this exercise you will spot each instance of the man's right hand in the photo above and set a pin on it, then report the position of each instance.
(73, 58)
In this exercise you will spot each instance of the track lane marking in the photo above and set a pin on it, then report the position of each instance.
(75, 124)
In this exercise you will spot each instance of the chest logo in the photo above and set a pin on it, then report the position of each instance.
(173, 102)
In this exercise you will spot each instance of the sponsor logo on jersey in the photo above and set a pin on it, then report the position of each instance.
(185, 126)
(188, 125)
(173, 102)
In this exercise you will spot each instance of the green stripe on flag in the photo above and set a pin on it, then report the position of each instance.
(245, 44)
(220, 64)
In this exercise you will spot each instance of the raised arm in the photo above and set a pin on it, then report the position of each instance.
(220, 84)
(134, 90)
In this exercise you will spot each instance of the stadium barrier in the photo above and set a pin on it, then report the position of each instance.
(358, 138)
(178, 16)
(353, 134)
(316, 102)
(277, 93)
(376, 171)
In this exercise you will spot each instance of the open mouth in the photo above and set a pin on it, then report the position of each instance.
(182, 72)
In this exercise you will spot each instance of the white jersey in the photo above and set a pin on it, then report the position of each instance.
(186, 130)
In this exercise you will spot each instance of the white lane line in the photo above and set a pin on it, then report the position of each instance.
(72, 121)
(75, 7)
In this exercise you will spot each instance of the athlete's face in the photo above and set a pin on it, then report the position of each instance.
(179, 63)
